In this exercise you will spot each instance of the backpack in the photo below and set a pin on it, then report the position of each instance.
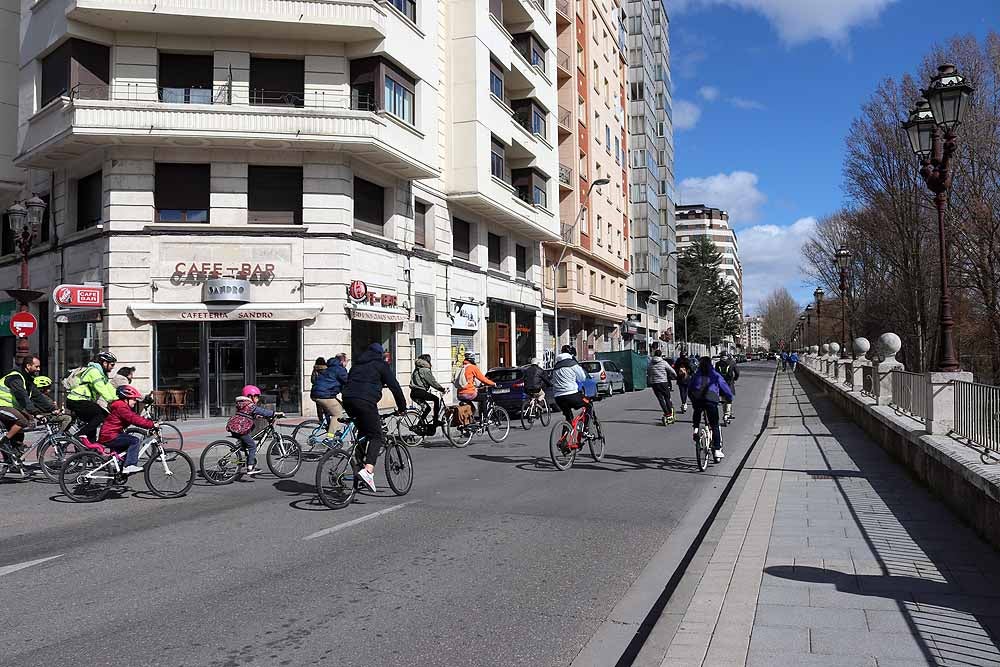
(728, 373)
(459, 379)
(242, 422)
(73, 380)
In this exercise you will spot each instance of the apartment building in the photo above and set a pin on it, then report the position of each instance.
(753, 333)
(652, 286)
(259, 185)
(698, 220)
(592, 278)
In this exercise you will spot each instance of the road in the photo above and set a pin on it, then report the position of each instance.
(498, 559)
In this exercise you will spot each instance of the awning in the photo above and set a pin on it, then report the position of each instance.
(393, 314)
(198, 312)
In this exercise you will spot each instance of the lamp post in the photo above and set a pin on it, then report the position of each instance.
(931, 130)
(566, 240)
(25, 222)
(818, 295)
(842, 260)
(802, 330)
(809, 309)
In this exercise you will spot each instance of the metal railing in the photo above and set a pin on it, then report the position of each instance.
(977, 414)
(849, 376)
(565, 174)
(223, 94)
(909, 394)
(869, 382)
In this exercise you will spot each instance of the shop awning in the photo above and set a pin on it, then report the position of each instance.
(393, 314)
(197, 312)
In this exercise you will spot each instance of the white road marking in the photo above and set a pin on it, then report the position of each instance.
(354, 522)
(8, 569)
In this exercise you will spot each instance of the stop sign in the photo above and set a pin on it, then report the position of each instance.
(23, 324)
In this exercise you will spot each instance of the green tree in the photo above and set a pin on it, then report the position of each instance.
(716, 310)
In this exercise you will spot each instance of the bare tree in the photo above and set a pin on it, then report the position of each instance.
(780, 314)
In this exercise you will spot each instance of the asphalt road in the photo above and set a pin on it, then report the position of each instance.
(498, 559)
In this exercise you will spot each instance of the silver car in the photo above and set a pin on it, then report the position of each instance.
(609, 377)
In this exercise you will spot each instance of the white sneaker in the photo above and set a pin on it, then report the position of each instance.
(131, 470)
(719, 454)
(368, 478)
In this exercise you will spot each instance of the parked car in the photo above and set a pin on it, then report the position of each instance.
(509, 392)
(608, 376)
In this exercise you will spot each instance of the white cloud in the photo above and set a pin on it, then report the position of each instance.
(800, 21)
(736, 193)
(744, 103)
(686, 115)
(771, 257)
(708, 93)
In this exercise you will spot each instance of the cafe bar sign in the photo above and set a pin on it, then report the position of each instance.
(369, 306)
(226, 290)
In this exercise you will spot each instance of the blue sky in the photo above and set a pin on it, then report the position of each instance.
(764, 94)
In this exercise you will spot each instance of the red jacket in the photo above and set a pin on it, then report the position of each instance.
(121, 416)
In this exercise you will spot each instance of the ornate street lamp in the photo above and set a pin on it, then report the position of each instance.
(842, 260)
(818, 296)
(25, 222)
(931, 129)
(809, 309)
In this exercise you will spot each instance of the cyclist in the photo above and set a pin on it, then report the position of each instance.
(122, 377)
(422, 380)
(44, 385)
(658, 376)
(567, 377)
(369, 374)
(92, 384)
(535, 380)
(684, 372)
(328, 384)
(707, 387)
(466, 378)
(729, 369)
(121, 415)
(20, 398)
(247, 406)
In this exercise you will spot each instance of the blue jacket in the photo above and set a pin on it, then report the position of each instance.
(794, 358)
(330, 382)
(716, 387)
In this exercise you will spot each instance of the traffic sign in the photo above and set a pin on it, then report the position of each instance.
(79, 296)
(23, 324)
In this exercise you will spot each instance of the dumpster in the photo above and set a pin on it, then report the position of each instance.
(633, 366)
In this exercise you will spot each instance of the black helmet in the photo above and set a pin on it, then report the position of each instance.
(107, 358)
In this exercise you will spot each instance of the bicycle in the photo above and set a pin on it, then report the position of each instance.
(565, 438)
(50, 452)
(494, 421)
(225, 461)
(170, 434)
(337, 479)
(416, 424)
(703, 446)
(533, 409)
(90, 476)
(318, 436)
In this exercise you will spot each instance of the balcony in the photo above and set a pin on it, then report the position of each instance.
(564, 12)
(500, 202)
(565, 177)
(564, 66)
(143, 115)
(565, 121)
(329, 20)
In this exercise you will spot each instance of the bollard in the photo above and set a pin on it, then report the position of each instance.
(831, 368)
(888, 346)
(861, 347)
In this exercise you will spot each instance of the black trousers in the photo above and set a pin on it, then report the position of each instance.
(571, 402)
(426, 397)
(711, 411)
(366, 419)
(90, 413)
(662, 392)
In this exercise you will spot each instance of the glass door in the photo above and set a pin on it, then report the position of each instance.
(227, 375)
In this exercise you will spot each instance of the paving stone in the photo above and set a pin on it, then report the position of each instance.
(779, 640)
(784, 595)
(874, 644)
(809, 617)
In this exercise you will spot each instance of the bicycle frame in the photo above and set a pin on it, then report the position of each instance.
(147, 442)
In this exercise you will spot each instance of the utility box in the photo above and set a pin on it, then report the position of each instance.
(633, 366)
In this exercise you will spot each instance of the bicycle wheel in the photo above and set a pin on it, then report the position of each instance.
(284, 456)
(53, 452)
(597, 441)
(701, 451)
(169, 473)
(220, 462)
(171, 437)
(409, 428)
(86, 477)
(528, 414)
(305, 429)
(335, 479)
(544, 415)
(460, 435)
(398, 469)
(560, 453)
(498, 424)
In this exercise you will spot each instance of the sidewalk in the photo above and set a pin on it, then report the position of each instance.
(833, 556)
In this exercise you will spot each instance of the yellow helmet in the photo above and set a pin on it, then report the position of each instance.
(43, 381)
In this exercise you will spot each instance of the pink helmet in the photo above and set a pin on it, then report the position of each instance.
(251, 390)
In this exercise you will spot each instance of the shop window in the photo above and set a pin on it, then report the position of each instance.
(407, 7)
(277, 82)
(78, 68)
(369, 207)
(496, 79)
(461, 238)
(182, 192)
(420, 224)
(89, 201)
(274, 195)
(524, 324)
(178, 360)
(493, 242)
(521, 260)
(277, 363)
(186, 79)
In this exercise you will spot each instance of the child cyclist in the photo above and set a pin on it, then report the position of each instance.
(121, 415)
(240, 425)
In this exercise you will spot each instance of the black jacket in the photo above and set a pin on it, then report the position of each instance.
(27, 395)
(367, 377)
(535, 379)
(728, 369)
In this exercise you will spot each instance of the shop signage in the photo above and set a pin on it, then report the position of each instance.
(196, 312)
(225, 290)
(465, 315)
(79, 296)
(78, 316)
(377, 315)
(23, 325)
(634, 317)
(358, 292)
(211, 270)
(629, 329)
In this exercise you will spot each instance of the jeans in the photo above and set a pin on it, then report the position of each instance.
(251, 445)
(368, 423)
(425, 398)
(89, 412)
(662, 392)
(711, 411)
(682, 387)
(126, 441)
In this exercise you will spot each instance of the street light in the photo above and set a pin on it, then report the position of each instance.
(25, 222)
(803, 330)
(936, 116)
(809, 311)
(842, 260)
(566, 240)
(818, 296)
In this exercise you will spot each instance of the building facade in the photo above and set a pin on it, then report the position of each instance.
(591, 280)
(254, 193)
(11, 177)
(753, 333)
(698, 220)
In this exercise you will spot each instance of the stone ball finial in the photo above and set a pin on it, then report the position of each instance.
(861, 346)
(814, 349)
(889, 345)
(834, 348)
(826, 348)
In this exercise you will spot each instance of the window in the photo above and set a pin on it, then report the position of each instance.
(493, 245)
(55, 74)
(619, 243)
(618, 150)
(581, 110)
(607, 137)
(497, 158)
(600, 225)
(540, 196)
(579, 279)
(580, 58)
(78, 68)
(532, 50)
(538, 122)
(461, 238)
(369, 206)
(563, 284)
(274, 195)
(420, 224)
(377, 84)
(182, 192)
(531, 185)
(604, 284)
(593, 283)
(530, 115)
(521, 260)
(185, 79)
(7, 244)
(537, 56)
(496, 79)
(398, 99)
(407, 7)
(46, 218)
(607, 93)
(596, 79)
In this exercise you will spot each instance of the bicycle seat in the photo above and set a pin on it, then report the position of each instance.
(344, 420)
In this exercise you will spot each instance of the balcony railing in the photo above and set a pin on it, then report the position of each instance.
(566, 175)
(563, 61)
(564, 7)
(909, 394)
(565, 118)
(222, 95)
(977, 415)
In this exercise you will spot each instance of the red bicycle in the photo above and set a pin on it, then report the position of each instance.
(566, 438)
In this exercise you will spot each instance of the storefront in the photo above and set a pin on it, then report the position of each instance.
(465, 323)
(510, 333)
(376, 316)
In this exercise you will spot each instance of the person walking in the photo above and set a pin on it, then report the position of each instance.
(784, 361)
(793, 359)
(658, 376)
(683, 368)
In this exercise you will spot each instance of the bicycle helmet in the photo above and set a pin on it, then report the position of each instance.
(127, 391)
(43, 381)
(107, 358)
(251, 390)
(470, 356)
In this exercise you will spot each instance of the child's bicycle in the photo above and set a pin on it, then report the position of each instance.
(225, 461)
(50, 451)
(535, 409)
(91, 475)
(566, 439)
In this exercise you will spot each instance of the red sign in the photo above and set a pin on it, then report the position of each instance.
(357, 290)
(23, 324)
(79, 296)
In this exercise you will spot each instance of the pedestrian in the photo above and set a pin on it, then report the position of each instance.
(784, 362)
(794, 360)
(123, 376)
(683, 368)
(318, 367)
(325, 389)
(658, 376)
